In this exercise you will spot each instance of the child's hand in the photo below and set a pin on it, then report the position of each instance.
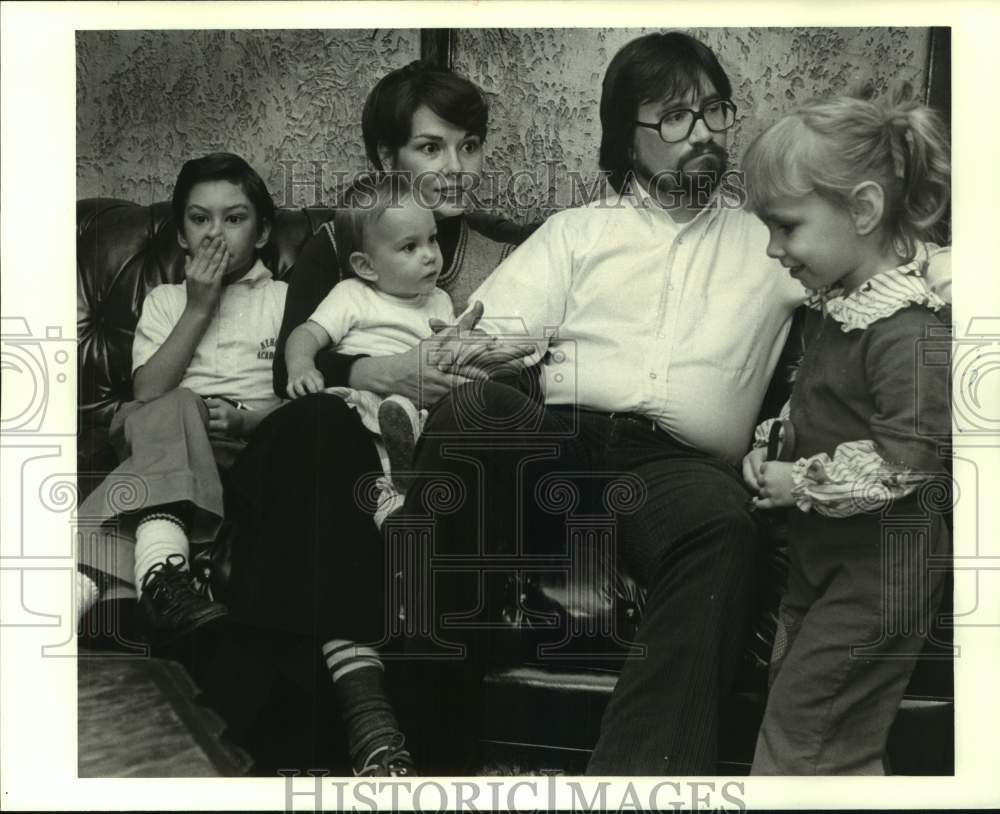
(224, 419)
(751, 467)
(204, 272)
(305, 381)
(775, 485)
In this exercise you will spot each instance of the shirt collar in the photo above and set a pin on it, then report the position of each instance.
(879, 297)
(643, 201)
(417, 301)
(257, 274)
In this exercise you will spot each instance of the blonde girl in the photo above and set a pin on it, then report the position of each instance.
(849, 190)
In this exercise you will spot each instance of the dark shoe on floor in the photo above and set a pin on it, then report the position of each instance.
(170, 607)
(391, 760)
(399, 424)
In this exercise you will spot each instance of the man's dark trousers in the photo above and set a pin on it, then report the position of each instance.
(683, 532)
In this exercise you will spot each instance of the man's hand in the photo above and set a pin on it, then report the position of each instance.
(203, 273)
(482, 358)
(440, 363)
(775, 485)
(423, 384)
(752, 462)
(224, 419)
(304, 381)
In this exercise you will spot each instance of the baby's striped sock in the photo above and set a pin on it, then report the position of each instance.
(357, 675)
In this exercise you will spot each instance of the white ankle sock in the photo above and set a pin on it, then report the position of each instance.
(156, 538)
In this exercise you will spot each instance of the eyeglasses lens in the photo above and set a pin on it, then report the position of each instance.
(677, 126)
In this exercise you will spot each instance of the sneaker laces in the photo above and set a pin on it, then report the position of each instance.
(380, 759)
(201, 575)
(162, 578)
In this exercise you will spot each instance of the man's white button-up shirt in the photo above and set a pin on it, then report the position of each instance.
(682, 323)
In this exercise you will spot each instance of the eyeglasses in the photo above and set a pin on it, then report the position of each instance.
(676, 125)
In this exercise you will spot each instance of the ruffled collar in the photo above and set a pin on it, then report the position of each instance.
(879, 297)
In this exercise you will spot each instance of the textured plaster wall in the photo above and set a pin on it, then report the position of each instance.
(545, 87)
(148, 100)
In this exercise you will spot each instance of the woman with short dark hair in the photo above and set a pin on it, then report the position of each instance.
(309, 563)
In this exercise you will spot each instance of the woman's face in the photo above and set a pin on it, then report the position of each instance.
(444, 161)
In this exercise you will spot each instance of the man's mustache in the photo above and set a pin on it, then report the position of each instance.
(709, 149)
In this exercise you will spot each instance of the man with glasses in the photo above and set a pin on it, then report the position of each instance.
(662, 320)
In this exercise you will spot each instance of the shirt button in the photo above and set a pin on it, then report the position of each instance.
(652, 375)
(680, 241)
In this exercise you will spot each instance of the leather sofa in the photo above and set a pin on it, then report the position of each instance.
(538, 712)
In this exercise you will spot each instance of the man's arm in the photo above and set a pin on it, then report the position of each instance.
(527, 293)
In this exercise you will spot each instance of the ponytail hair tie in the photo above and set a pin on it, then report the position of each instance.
(897, 121)
(899, 162)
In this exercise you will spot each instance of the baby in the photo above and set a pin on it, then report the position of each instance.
(390, 243)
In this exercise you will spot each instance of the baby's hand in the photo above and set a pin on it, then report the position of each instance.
(775, 485)
(204, 271)
(751, 467)
(305, 381)
(224, 418)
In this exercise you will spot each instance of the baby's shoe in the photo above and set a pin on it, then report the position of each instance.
(390, 501)
(388, 760)
(399, 424)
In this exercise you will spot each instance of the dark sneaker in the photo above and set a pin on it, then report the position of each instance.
(170, 607)
(399, 424)
(391, 760)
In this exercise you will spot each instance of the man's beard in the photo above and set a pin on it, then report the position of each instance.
(691, 184)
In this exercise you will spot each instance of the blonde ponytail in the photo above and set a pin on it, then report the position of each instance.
(829, 146)
(920, 151)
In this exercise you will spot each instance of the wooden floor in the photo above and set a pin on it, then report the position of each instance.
(139, 717)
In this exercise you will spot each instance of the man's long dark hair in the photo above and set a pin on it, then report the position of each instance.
(652, 67)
